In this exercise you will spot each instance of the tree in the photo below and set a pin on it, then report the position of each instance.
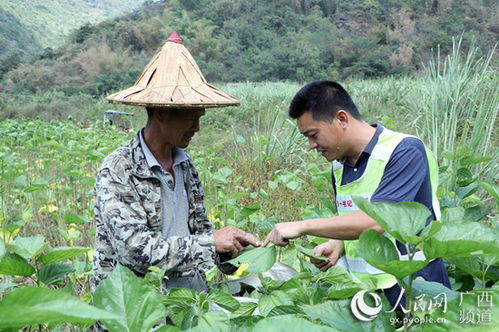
(9, 61)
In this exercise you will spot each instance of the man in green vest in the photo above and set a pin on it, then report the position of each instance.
(368, 160)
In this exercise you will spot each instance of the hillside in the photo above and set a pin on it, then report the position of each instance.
(238, 40)
(14, 35)
(50, 21)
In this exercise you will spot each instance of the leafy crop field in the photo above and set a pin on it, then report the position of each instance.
(257, 171)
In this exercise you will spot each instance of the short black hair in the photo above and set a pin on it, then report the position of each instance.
(323, 99)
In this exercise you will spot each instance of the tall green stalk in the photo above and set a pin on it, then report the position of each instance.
(459, 90)
(272, 136)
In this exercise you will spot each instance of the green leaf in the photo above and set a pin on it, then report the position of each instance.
(288, 323)
(464, 177)
(448, 155)
(222, 174)
(15, 265)
(204, 328)
(236, 196)
(249, 210)
(245, 309)
(475, 213)
(473, 160)
(37, 305)
(308, 295)
(476, 266)
(267, 302)
(337, 314)
(137, 304)
(491, 188)
(454, 214)
(61, 254)
(430, 289)
(284, 310)
(272, 185)
(168, 328)
(190, 318)
(213, 319)
(36, 186)
(28, 247)
(343, 290)
(293, 185)
(381, 253)
(310, 253)
(245, 323)
(402, 220)
(52, 272)
(71, 218)
(184, 317)
(223, 299)
(335, 274)
(326, 200)
(462, 151)
(462, 239)
(180, 296)
(431, 229)
(463, 192)
(259, 259)
(219, 160)
(264, 194)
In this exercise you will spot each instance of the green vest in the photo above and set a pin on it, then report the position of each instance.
(365, 186)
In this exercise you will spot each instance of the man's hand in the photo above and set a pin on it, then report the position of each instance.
(283, 232)
(331, 249)
(233, 240)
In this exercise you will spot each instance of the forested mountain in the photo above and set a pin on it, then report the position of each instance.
(46, 23)
(259, 40)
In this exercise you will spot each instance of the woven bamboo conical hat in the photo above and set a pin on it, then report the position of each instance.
(172, 79)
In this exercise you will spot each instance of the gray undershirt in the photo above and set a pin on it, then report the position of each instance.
(175, 220)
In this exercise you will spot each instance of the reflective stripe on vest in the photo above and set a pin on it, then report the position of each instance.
(366, 185)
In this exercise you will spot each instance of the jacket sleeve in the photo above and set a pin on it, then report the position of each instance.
(135, 244)
(201, 223)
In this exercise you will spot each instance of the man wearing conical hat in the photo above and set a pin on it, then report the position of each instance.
(149, 207)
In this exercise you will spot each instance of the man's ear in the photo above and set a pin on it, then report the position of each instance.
(343, 118)
(161, 115)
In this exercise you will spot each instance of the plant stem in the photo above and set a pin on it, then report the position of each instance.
(36, 269)
(484, 274)
(408, 303)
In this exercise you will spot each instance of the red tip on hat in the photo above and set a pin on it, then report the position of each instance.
(174, 37)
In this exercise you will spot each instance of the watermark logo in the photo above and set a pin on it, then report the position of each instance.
(361, 310)
(422, 307)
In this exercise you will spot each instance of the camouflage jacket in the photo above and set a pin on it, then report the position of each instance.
(128, 220)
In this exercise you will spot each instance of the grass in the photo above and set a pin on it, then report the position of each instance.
(459, 103)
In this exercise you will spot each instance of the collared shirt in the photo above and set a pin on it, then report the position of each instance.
(178, 156)
(355, 171)
(172, 191)
(174, 207)
(406, 176)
